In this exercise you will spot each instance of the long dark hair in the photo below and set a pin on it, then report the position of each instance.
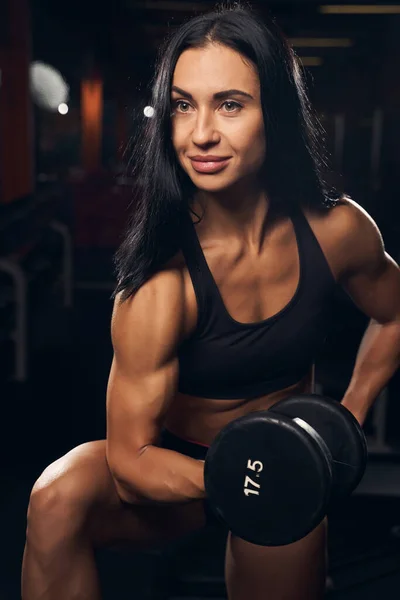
(295, 158)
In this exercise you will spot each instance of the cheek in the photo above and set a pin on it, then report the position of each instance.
(174, 136)
(248, 139)
(251, 142)
(178, 143)
(180, 138)
(246, 131)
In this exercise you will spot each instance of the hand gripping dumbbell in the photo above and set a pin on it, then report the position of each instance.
(271, 475)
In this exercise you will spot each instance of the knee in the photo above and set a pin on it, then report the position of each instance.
(50, 497)
(57, 502)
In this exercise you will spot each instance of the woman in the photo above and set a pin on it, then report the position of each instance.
(218, 317)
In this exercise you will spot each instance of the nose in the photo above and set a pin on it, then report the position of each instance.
(204, 132)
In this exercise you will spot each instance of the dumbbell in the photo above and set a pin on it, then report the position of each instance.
(271, 475)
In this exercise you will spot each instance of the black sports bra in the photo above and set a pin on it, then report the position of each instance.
(230, 360)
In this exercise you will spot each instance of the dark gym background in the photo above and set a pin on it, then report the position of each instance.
(64, 199)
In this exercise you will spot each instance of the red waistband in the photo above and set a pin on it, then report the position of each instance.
(193, 442)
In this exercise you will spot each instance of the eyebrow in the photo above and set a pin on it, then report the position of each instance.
(216, 96)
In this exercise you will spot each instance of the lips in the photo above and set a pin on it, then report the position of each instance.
(209, 163)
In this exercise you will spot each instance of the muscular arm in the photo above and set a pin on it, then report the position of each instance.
(372, 279)
(146, 332)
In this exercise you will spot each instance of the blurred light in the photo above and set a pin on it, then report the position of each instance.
(48, 88)
(321, 42)
(360, 9)
(311, 61)
(63, 108)
(148, 111)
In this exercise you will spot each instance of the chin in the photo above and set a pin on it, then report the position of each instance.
(211, 183)
(212, 188)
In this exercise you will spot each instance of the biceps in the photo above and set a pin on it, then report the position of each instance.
(377, 294)
(136, 409)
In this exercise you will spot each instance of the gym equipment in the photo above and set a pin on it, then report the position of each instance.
(271, 475)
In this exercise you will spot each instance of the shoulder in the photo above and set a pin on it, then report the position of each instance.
(159, 300)
(162, 302)
(352, 232)
(343, 216)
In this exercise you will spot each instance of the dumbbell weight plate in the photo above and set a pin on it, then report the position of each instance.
(268, 479)
(340, 431)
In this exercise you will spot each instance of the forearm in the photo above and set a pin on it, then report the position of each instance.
(161, 476)
(377, 360)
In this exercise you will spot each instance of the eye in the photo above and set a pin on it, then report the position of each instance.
(232, 106)
(184, 106)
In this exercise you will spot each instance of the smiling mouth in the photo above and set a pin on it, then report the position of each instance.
(209, 166)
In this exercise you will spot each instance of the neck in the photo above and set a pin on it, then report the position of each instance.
(237, 215)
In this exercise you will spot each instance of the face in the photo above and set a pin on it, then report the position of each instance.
(216, 113)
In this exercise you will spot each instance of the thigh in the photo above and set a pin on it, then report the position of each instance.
(293, 572)
(79, 488)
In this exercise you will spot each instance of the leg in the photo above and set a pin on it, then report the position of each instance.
(73, 509)
(293, 572)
